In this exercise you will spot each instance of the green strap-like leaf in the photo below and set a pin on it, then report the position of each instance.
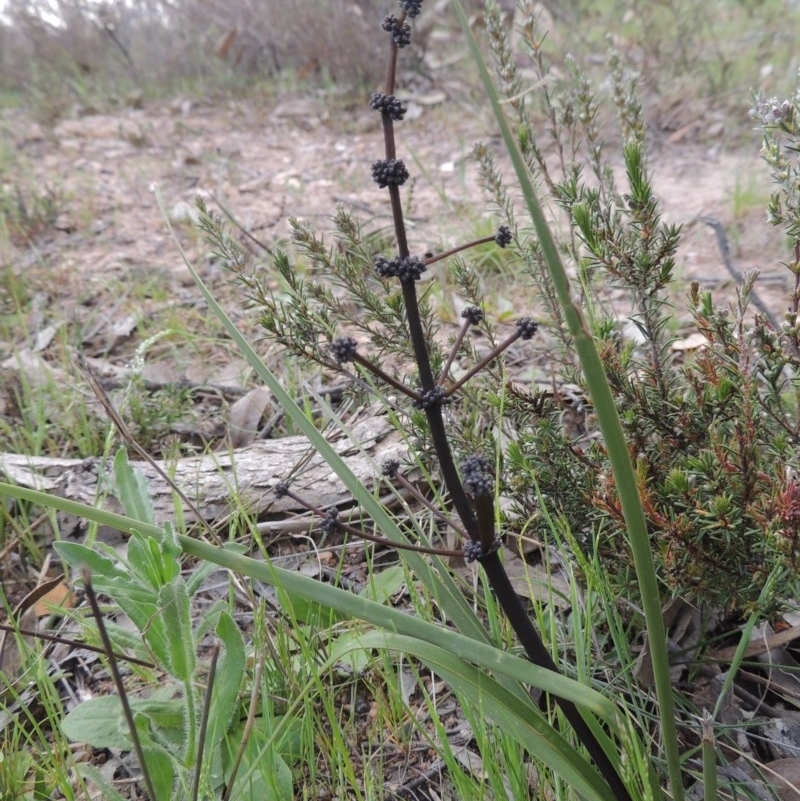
(525, 724)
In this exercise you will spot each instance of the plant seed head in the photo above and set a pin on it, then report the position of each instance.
(389, 172)
(431, 397)
(528, 327)
(476, 475)
(473, 314)
(413, 8)
(400, 31)
(388, 104)
(503, 236)
(344, 349)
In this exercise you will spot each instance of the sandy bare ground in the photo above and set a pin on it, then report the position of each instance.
(292, 157)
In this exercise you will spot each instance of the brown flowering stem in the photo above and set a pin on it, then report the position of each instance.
(400, 479)
(391, 70)
(479, 528)
(485, 512)
(113, 668)
(453, 352)
(476, 368)
(41, 635)
(458, 249)
(201, 742)
(383, 376)
(357, 532)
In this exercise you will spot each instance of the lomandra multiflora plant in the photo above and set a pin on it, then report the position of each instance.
(375, 298)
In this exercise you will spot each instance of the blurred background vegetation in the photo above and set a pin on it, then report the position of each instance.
(96, 54)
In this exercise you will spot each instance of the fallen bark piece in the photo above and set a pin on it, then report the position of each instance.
(219, 483)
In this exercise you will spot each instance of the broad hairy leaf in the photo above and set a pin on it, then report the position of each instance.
(228, 679)
(173, 601)
(99, 722)
(132, 489)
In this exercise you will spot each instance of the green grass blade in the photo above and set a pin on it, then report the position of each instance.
(463, 646)
(525, 724)
(609, 422)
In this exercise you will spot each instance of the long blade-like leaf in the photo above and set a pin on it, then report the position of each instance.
(482, 654)
(526, 725)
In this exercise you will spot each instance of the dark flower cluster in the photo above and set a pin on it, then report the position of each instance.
(476, 475)
(413, 8)
(387, 104)
(344, 349)
(503, 236)
(331, 521)
(527, 327)
(386, 268)
(409, 268)
(401, 31)
(389, 172)
(473, 314)
(281, 489)
(474, 550)
(390, 467)
(430, 397)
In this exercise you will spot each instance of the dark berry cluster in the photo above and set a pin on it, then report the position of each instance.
(431, 397)
(390, 467)
(401, 31)
(503, 236)
(409, 268)
(388, 104)
(473, 314)
(527, 327)
(330, 522)
(473, 550)
(281, 489)
(475, 473)
(386, 268)
(389, 172)
(413, 8)
(344, 349)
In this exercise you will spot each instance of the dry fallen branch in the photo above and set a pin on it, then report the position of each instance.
(219, 483)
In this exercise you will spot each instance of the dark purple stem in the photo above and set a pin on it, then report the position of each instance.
(480, 529)
(458, 249)
(454, 352)
(476, 368)
(383, 376)
(407, 485)
(357, 532)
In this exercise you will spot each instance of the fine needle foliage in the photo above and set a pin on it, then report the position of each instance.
(711, 429)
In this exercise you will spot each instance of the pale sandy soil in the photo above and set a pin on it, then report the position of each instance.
(291, 157)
